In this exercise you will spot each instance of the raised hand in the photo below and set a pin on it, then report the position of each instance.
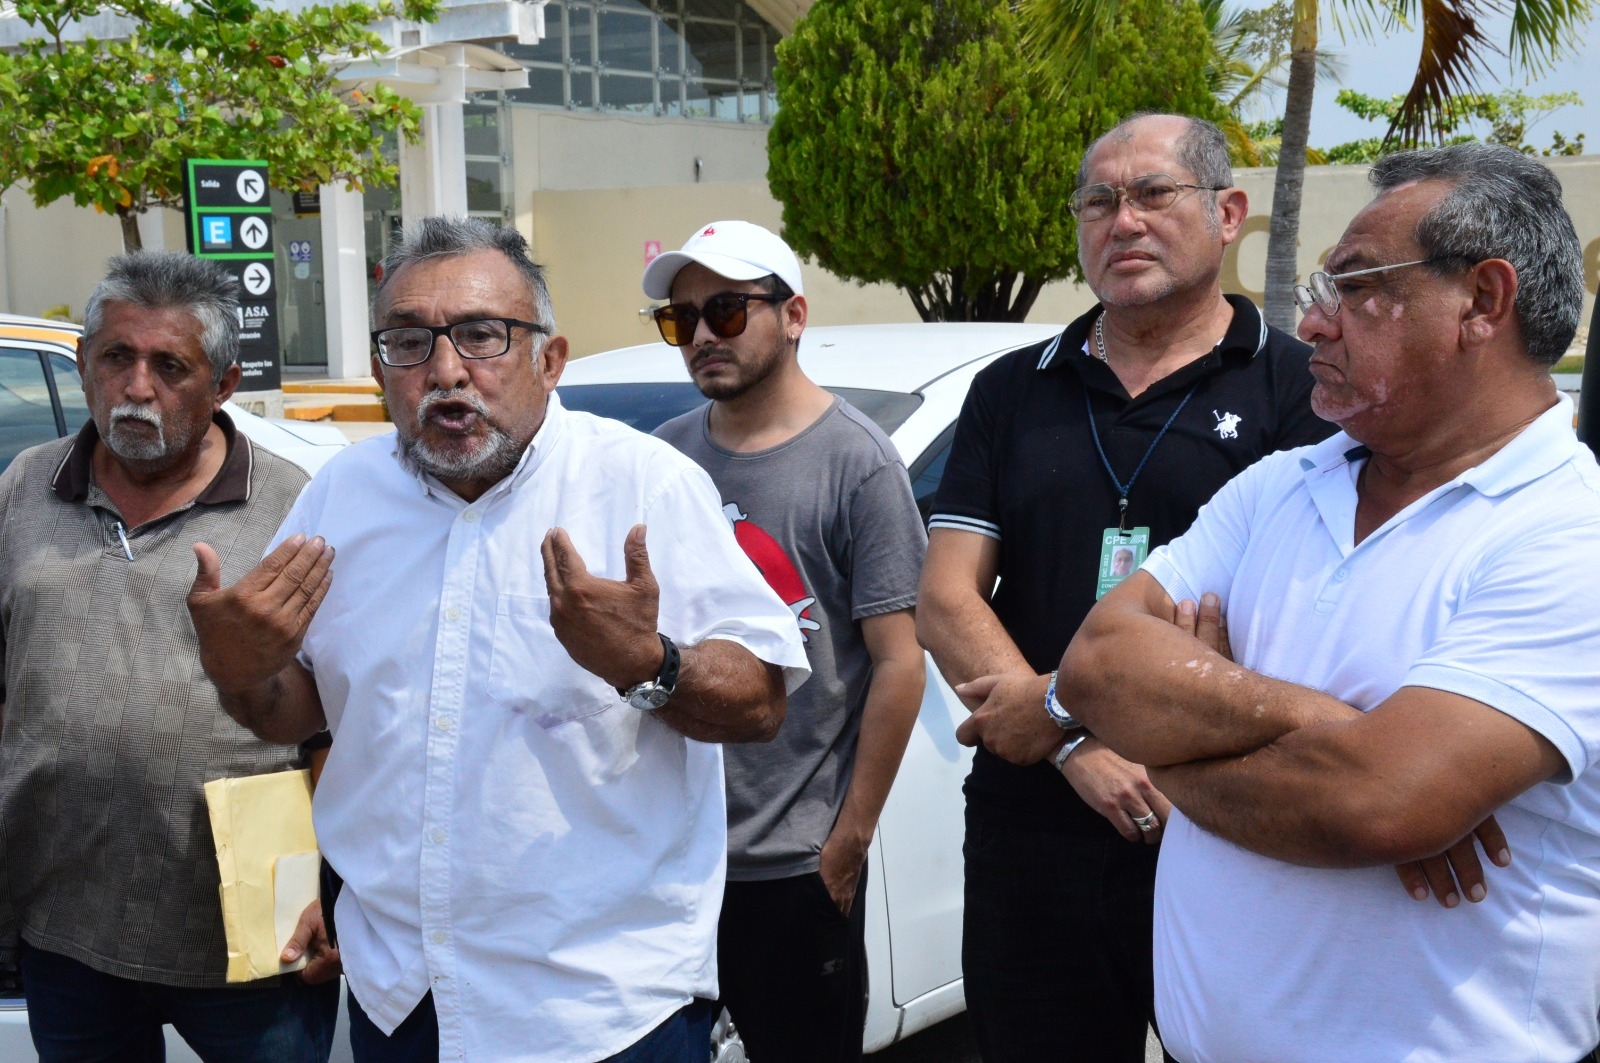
(607, 626)
(250, 632)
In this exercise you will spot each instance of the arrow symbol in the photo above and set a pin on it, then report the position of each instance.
(251, 186)
(257, 278)
(253, 231)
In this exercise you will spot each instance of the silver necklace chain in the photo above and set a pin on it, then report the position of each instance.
(1100, 338)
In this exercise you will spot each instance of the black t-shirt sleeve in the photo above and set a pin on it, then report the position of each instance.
(967, 499)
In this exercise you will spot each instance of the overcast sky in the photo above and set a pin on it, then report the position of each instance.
(1385, 67)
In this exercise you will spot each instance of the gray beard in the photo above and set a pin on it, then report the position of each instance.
(490, 463)
(130, 446)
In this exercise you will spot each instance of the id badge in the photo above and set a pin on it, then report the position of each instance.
(1121, 554)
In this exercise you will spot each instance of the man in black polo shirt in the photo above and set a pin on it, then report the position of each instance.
(1069, 454)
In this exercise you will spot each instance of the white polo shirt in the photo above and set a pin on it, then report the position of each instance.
(546, 859)
(1488, 587)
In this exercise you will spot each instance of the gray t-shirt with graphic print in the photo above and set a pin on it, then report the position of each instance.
(829, 518)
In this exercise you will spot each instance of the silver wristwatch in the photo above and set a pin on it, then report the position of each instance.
(652, 694)
(1057, 712)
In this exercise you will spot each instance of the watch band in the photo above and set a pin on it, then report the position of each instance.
(1056, 711)
(653, 693)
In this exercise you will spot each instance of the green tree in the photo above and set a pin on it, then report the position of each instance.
(1509, 115)
(1453, 56)
(914, 146)
(109, 123)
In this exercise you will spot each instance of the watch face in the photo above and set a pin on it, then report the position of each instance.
(649, 699)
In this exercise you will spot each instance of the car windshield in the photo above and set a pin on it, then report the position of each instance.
(646, 406)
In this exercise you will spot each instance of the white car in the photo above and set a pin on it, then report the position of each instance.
(911, 380)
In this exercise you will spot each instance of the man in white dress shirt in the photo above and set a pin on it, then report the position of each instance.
(1412, 607)
(521, 799)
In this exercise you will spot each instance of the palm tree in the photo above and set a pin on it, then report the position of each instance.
(1453, 57)
(1249, 55)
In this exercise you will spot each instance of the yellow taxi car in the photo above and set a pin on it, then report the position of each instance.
(41, 396)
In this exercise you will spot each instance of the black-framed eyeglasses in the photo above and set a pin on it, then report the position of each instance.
(1152, 192)
(726, 314)
(488, 337)
(1322, 292)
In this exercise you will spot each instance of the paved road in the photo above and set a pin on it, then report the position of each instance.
(951, 1042)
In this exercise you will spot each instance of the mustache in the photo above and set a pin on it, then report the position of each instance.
(132, 411)
(711, 352)
(434, 399)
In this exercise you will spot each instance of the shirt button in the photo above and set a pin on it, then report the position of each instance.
(440, 937)
(437, 836)
(1340, 576)
(452, 613)
(442, 723)
(471, 516)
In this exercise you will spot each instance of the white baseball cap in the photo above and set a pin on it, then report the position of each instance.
(737, 250)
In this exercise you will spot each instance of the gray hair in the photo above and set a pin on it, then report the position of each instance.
(1202, 149)
(1501, 204)
(173, 280)
(444, 237)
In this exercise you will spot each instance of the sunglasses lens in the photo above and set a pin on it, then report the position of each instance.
(726, 315)
(677, 323)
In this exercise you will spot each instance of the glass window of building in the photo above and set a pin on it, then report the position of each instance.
(486, 160)
(671, 58)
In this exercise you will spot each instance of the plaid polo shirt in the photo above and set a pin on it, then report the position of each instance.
(111, 729)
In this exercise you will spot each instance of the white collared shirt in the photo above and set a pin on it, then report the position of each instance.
(1487, 587)
(546, 859)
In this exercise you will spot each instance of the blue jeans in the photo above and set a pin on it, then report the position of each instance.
(684, 1038)
(76, 1014)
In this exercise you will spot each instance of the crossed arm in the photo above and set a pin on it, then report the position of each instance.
(1286, 771)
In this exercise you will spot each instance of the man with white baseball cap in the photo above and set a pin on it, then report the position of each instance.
(820, 501)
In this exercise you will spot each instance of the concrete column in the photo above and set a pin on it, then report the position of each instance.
(344, 280)
(449, 159)
(416, 171)
(433, 171)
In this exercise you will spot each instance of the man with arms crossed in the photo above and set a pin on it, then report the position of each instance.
(1106, 438)
(110, 729)
(821, 502)
(532, 847)
(1412, 606)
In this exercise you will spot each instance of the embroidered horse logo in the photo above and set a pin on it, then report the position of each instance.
(1227, 424)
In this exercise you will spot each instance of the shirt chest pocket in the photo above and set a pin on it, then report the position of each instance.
(530, 672)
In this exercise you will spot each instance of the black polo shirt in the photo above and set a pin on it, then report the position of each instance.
(1024, 470)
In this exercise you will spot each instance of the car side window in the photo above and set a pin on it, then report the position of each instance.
(928, 470)
(69, 389)
(27, 416)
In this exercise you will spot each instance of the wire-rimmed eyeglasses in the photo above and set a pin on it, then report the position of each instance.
(1321, 291)
(1152, 192)
(488, 337)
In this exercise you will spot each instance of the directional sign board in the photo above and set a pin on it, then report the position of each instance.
(230, 219)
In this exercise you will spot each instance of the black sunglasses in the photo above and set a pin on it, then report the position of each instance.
(726, 314)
